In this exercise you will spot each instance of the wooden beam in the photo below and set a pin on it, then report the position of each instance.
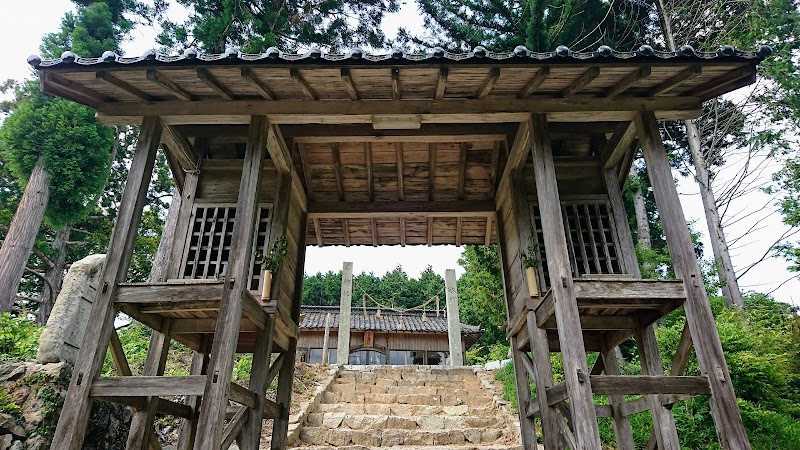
(233, 427)
(180, 148)
(258, 84)
(629, 80)
(279, 151)
(308, 92)
(163, 81)
(395, 83)
(488, 238)
(402, 232)
(242, 395)
(462, 170)
(337, 170)
(722, 84)
(536, 80)
(431, 171)
(400, 187)
(370, 182)
(430, 231)
(398, 137)
(592, 322)
(494, 168)
(374, 227)
(346, 231)
(441, 83)
(664, 430)
(581, 82)
(349, 85)
(92, 97)
(407, 209)
(649, 384)
(459, 225)
(356, 133)
(307, 175)
(431, 111)
(675, 81)
(123, 86)
(211, 81)
(620, 142)
(488, 83)
(147, 386)
(520, 150)
(318, 231)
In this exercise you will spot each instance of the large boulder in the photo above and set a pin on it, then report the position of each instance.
(61, 339)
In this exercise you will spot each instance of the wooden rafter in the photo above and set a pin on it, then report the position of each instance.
(536, 80)
(494, 168)
(581, 82)
(400, 187)
(370, 182)
(488, 83)
(675, 81)
(620, 142)
(630, 80)
(124, 86)
(722, 84)
(318, 232)
(395, 83)
(346, 231)
(441, 83)
(257, 83)
(337, 169)
(162, 80)
(180, 148)
(488, 238)
(374, 227)
(211, 81)
(431, 170)
(349, 85)
(402, 232)
(55, 84)
(462, 170)
(308, 92)
(520, 149)
(430, 231)
(459, 226)
(307, 175)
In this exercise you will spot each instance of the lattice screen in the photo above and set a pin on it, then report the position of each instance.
(208, 248)
(591, 239)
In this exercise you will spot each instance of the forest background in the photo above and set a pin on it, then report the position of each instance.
(727, 153)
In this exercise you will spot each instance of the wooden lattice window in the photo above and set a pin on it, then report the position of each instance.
(591, 239)
(208, 244)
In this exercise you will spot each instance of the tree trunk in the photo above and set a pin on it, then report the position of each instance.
(53, 276)
(719, 245)
(158, 271)
(733, 296)
(22, 234)
(642, 224)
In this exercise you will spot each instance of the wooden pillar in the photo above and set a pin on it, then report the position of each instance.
(226, 332)
(570, 337)
(188, 428)
(453, 319)
(708, 348)
(622, 425)
(326, 338)
(77, 404)
(343, 344)
(251, 432)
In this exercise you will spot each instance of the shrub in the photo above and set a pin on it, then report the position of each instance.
(19, 338)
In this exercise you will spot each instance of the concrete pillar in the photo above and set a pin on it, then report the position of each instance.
(453, 319)
(343, 346)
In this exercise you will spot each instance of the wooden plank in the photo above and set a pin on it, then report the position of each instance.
(301, 82)
(536, 80)
(675, 81)
(346, 231)
(147, 386)
(211, 81)
(233, 427)
(430, 231)
(629, 80)
(441, 83)
(431, 171)
(724, 408)
(307, 175)
(566, 310)
(649, 384)
(77, 404)
(581, 82)
(427, 133)
(257, 83)
(462, 170)
(408, 209)
(488, 83)
(459, 225)
(487, 240)
(180, 148)
(337, 170)
(122, 85)
(616, 147)
(162, 80)
(349, 85)
(226, 334)
(395, 83)
(370, 181)
(402, 232)
(374, 227)
(400, 185)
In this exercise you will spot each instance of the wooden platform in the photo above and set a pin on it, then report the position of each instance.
(610, 309)
(193, 305)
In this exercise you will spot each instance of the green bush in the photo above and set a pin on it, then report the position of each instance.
(19, 338)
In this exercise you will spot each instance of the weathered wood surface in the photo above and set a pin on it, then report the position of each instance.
(708, 348)
(147, 386)
(622, 425)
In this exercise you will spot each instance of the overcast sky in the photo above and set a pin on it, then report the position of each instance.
(23, 24)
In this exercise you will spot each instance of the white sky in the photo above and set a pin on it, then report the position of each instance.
(23, 24)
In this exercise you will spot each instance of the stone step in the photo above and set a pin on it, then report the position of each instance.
(416, 447)
(408, 390)
(468, 383)
(409, 399)
(386, 421)
(405, 410)
(393, 437)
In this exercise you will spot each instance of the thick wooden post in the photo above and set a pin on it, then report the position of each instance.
(622, 425)
(188, 428)
(708, 348)
(77, 404)
(251, 432)
(226, 332)
(453, 319)
(566, 307)
(343, 344)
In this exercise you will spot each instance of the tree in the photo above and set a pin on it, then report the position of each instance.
(60, 154)
(254, 25)
(481, 294)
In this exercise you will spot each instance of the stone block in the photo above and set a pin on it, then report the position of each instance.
(430, 422)
(313, 435)
(338, 437)
(332, 420)
(459, 410)
(391, 438)
(366, 438)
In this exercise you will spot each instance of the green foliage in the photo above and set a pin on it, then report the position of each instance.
(481, 298)
(68, 140)
(19, 338)
(254, 25)
(274, 258)
(7, 404)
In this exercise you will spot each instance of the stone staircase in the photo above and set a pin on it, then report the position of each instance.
(408, 407)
